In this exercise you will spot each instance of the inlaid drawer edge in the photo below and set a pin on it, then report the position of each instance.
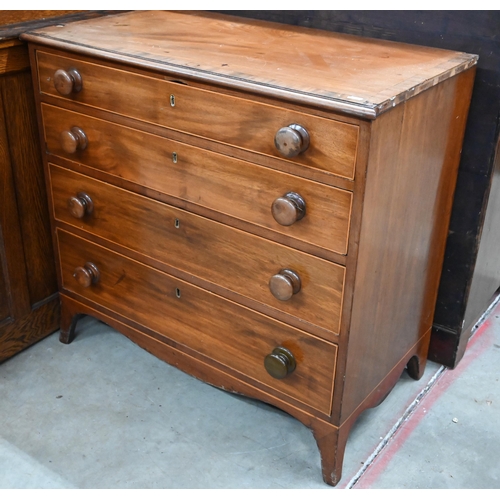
(206, 121)
(204, 178)
(194, 245)
(111, 264)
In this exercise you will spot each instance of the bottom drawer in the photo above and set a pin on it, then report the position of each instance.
(221, 330)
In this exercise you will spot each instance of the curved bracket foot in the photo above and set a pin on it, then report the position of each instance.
(69, 318)
(415, 367)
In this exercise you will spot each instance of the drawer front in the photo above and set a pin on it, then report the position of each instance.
(219, 329)
(233, 187)
(231, 120)
(233, 259)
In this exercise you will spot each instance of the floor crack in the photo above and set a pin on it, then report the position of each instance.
(387, 438)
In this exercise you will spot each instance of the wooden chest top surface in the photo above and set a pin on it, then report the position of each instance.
(339, 72)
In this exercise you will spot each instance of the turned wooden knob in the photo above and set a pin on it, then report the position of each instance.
(288, 209)
(86, 275)
(280, 363)
(80, 205)
(285, 284)
(292, 140)
(67, 81)
(73, 140)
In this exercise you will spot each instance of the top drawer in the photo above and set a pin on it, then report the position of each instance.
(232, 120)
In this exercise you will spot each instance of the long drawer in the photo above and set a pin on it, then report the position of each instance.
(216, 328)
(232, 120)
(214, 252)
(236, 188)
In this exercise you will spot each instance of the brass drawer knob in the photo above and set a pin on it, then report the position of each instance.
(80, 205)
(285, 284)
(86, 275)
(292, 140)
(73, 140)
(280, 363)
(288, 209)
(67, 81)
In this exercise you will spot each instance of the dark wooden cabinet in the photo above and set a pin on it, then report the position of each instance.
(29, 302)
(471, 272)
(29, 305)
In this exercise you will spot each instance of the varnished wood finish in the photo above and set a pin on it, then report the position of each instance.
(13, 58)
(4, 304)
(22, 16)
(21, 21)
(29, 307)
(414, 161)
(193, 258)
(29, 303)
(471, 272)
(18, 333)
(29, 185)
(178, 356)
(350, 74)
(148, 297)
(210, 251)
(239, 189)
(332, 439)
(16, 285)
(242, 122)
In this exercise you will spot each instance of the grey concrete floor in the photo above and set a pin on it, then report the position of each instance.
(103, 413)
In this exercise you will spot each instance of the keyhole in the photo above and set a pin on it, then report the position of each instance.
(178, 293)
(172, 100)
(177, 223)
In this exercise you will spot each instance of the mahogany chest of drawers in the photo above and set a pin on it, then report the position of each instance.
(264, 207)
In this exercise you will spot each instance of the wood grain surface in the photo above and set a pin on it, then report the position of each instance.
(21, 16)
(337, 71)
(223, 184)
(30, 186)
(29, 306)
(13, 57)
(4, 304)
(12, 249)
(236, 121)
(413, 161)
(30, 328)
(202, 321)
(213, 252)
